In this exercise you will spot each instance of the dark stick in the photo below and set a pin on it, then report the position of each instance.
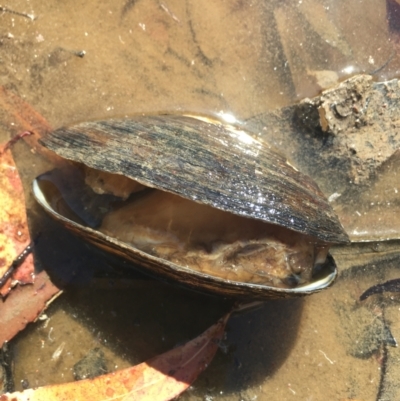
(8, 10)
(388, 286)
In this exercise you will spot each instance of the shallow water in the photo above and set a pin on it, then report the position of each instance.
(238, 57)
(244, 58)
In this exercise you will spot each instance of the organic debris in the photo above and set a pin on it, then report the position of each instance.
(161, 378)
(24, 305)
(14, 233)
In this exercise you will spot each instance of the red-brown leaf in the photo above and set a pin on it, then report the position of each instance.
(23, 305)
(19, 116)
(14, 233)
(159, 379)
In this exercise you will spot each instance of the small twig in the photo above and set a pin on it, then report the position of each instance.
(374, 72)
(57, 353)
(16, 138)
(326, 357)
(239, 306)
(8, 10)
(169, 12)
(17, 262)
(387, 286)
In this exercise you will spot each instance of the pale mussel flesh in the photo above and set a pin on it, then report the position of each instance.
(195, 201)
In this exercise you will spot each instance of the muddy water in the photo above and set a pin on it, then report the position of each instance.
(238, 57)
(244, 58)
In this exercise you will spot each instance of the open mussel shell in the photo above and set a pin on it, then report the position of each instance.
(209, 163)
(166, 270)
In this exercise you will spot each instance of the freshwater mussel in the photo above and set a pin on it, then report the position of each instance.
(196, 201)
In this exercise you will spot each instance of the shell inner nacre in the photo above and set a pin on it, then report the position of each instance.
(196, 236)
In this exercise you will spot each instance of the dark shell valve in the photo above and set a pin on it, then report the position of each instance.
(205, 162)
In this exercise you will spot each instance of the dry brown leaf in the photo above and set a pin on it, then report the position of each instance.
(159, 379)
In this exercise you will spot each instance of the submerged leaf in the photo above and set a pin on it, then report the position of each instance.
(161, 378)
(24, 304)
(18, 116)
(14, 233)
